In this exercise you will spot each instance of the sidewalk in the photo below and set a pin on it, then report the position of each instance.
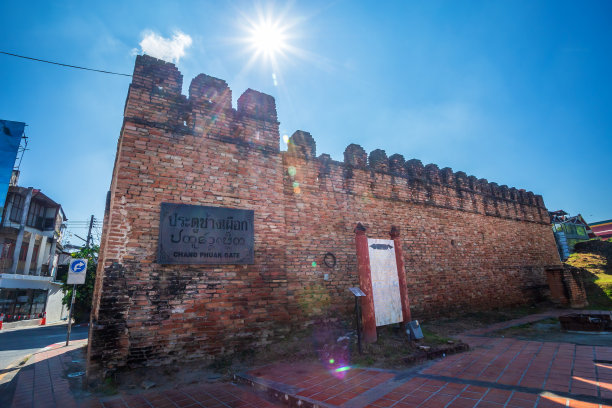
(42, 381)
(498, 372)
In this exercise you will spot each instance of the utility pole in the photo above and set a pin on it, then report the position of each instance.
(91, 220)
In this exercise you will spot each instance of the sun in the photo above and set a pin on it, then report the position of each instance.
(268, 38)
(272, 38)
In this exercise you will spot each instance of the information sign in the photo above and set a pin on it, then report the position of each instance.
(385, 283)
(196, 234)
(77, 271)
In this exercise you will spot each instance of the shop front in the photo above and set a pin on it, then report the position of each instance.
(22, 304)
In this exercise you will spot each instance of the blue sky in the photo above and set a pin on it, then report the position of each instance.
(517, 92)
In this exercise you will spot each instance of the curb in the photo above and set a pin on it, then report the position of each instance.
(18, 363)
(280, 392)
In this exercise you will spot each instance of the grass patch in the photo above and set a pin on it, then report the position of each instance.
(394, 347)
(597, 279)
(446, 327)
(433, 337)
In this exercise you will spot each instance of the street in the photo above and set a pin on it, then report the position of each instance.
(17, 344)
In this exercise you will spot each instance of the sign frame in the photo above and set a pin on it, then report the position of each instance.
(77, 271)
(205, 235)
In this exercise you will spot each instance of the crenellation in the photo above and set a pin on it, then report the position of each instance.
(157, 75)
(495, 191)
(396, 165)
(462, 180)
(482, 186)
(473, 183)
(355, 156)
(514, 195)
(522, 196)
(378, 160)
(447, 176)
(530, 198)
(302, 144)
(505, 192)
(415, 170)
(206, 90)
(257, 105)
(432, 172)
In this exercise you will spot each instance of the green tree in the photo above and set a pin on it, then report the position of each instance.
(84, 292)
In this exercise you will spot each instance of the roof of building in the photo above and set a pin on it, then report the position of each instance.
(600, 223)
(38, 195)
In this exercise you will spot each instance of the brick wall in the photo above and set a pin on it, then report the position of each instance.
(468, 243)
(566, 286)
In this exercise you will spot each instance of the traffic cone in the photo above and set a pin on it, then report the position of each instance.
(44, 319)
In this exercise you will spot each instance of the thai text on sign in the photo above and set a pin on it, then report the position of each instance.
(196, 234)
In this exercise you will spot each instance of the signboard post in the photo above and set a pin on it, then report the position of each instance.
(358, 293)
(77, 272)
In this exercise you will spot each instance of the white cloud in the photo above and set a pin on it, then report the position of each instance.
(168, 49)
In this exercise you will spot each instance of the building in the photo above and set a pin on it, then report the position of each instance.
(569, 230)
(30, 243)
(603, 229)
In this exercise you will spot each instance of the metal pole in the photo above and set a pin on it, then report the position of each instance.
(70, 315)
(358, 321)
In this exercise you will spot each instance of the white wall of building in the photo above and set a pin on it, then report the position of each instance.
(55, 310)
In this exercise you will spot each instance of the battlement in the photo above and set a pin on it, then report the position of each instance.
(417, 176)
(155, 98)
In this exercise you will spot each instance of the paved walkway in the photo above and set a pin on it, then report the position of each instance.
(42, 382)
(498, 372)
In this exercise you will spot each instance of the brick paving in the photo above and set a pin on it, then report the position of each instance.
(42, 382)
(222, 395)
(498, 372)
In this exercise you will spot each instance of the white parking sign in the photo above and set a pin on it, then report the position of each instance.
(77, 271)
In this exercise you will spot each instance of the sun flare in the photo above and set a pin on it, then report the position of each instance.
(271, 38)
(268, 38)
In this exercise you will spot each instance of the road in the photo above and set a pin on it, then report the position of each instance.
(17, 344)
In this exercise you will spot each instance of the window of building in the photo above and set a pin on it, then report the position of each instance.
(17, 208)
(24, 251)
(36, 215)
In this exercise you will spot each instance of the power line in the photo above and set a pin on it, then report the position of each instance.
(64, 65)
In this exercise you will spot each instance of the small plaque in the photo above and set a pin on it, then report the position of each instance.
(196, 234)
(414, 329)
(357, 292)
